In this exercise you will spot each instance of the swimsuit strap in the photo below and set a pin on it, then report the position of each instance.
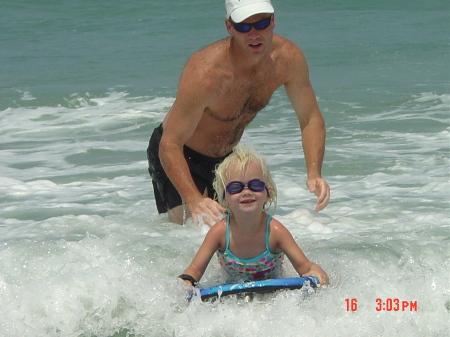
(227, 236)
(269, 218)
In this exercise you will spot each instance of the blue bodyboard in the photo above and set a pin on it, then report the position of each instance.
(263, 286)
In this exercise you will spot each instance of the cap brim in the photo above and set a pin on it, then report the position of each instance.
(244, 12)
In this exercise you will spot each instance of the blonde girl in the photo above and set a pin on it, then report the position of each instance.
(249, 243)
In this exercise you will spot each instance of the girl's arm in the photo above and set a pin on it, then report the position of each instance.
(283, 241)
(210, 245)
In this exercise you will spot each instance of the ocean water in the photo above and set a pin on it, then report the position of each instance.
(83, 251)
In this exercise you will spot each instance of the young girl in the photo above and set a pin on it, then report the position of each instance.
(249, 243)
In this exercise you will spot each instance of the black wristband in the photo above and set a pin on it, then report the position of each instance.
(189, 278)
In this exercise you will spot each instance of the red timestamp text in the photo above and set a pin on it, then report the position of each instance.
(388, 304)
(394, 304)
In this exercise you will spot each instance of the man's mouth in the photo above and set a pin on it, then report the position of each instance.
(255, 45)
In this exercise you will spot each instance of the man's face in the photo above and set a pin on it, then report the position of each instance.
(254, 34)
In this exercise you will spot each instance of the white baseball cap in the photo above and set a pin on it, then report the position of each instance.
(239, 10)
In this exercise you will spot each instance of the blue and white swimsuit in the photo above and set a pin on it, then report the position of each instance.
(265, 266)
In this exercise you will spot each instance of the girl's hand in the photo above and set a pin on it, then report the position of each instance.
(318, 272)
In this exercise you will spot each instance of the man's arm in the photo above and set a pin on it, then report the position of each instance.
(312, 125)
(179, 125)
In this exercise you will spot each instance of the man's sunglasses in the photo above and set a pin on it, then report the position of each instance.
(246, 27)
(255, 185)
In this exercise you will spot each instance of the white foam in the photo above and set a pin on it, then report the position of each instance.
(83, 250)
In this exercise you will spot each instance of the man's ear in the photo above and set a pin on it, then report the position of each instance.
(228, 26)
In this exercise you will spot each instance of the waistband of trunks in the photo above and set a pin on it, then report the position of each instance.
(188, 152)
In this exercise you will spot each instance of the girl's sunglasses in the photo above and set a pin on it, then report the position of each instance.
(246, 27)
(255, 185)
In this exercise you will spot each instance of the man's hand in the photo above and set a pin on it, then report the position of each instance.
(320, 188)
(207, 210)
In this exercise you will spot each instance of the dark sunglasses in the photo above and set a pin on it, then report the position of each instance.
(255, 185)
(246, 27)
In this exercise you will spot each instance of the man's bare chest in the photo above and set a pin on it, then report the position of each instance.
(239, 104)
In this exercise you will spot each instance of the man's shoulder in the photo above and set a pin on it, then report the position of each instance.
(283, 44)
(215, 48)
(209, 60)
(287, 53)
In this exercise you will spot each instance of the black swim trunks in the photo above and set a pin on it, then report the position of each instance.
(201, 167)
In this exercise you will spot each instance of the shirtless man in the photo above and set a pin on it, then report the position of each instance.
(222, 88)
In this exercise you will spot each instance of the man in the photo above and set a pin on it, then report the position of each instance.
(222, 88)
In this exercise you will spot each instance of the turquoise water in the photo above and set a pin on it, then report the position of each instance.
(83, 251)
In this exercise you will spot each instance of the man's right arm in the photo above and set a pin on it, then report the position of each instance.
(179, 125)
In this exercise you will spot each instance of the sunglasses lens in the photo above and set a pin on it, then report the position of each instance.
(242, 27)
(246, 27)
(263, 24)
(235, 187)
(256, 185)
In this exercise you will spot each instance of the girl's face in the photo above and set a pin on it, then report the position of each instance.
(247, 200)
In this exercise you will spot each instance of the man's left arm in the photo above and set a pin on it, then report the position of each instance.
(312, 125)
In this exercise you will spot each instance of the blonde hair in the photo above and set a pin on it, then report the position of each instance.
(238, 161)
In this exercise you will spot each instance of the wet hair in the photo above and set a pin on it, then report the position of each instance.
(238, 161)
